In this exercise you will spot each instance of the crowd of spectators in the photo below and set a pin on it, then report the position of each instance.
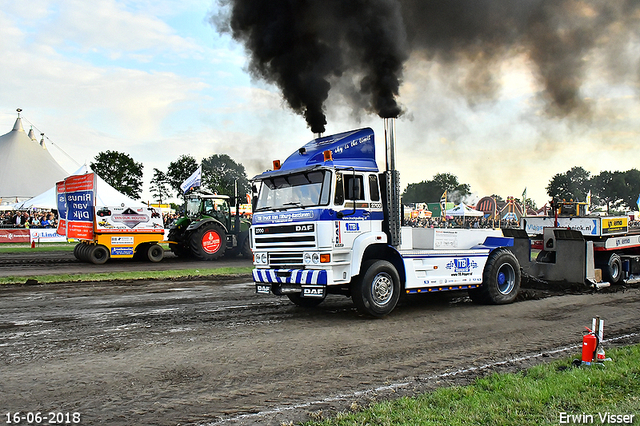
(460, 222)
(28, 219)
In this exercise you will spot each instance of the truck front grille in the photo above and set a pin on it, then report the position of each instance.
(285, 260)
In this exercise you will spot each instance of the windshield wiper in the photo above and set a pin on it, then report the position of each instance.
(294, 203)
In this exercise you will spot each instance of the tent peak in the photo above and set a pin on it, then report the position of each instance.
(18, 126)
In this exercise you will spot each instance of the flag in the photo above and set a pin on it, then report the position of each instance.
(589, 199)
(638, 202)
(192, 181)
(443, 203)
(524, 195)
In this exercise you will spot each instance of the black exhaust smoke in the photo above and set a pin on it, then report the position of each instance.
(308, 46)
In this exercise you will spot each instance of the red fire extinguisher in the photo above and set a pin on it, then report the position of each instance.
(589, 346)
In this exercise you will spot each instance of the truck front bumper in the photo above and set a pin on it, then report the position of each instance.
(306, 282)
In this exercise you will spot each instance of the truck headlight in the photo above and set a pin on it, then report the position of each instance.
(261, 258)
(306, 258)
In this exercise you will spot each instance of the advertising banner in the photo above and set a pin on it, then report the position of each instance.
(123, 219)
(62, 208)
(46, 235)
(14, 236)
(79, 198)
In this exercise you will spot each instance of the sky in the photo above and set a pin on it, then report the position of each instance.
(156, 80)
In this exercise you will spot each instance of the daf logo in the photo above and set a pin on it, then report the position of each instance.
(304, 228)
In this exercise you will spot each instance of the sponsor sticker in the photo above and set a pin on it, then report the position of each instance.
(121, 241)
(121, 251)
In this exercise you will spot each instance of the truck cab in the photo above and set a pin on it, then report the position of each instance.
(323, 223)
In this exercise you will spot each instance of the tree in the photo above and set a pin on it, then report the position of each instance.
(221, 172)
(632, 189)
(431, 190)
(572, 185)
(160, 186)
(120, 171)
(179, 171)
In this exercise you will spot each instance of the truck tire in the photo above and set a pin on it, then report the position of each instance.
(98, 255)
(500, 279)
(377, 290)
(208, 242)
(304, 302)
(155, 253)
(612, 271)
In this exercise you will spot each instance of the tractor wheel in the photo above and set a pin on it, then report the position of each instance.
(155, 253)
(500, 279)
(99, 254)
(208, 242)
(178, 249)
(245, 251)
(377, 291)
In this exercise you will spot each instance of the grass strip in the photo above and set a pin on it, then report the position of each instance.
(549, 394)
(44, 247)
(133, 275)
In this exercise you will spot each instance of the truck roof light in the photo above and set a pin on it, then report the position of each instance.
(276, 164)
(328, 156)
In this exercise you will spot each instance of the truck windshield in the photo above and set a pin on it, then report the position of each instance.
(295, 190)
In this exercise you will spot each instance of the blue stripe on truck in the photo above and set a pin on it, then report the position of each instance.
(293, 276)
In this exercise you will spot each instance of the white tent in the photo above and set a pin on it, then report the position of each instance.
(106, 195)
(26, 166)
(462, 210)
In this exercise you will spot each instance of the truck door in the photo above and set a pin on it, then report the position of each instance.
(354, 207)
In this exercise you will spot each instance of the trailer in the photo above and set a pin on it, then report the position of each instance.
(106, 232)
(122, 232)
(327, 221)
(571, 246)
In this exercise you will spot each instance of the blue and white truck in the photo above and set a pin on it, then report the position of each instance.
(328, 221)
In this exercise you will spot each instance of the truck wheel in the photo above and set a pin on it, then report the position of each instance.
(245, 251)
(178, 249)
(500, 279)
(155, 253)
(612, 271)
(99, 254)
(304, 302)
(208, 242)
(377, 291)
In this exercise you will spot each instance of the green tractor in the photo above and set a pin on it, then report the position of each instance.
(208, 230)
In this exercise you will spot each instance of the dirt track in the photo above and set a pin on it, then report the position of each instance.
(214, 352)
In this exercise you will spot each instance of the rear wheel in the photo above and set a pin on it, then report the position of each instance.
(208, 242)
(99, 254)
(155, 253)
(377, 291)
(500, 279)
(612, 271)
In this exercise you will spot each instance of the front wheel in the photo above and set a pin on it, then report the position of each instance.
(377, 291)
(500, 279)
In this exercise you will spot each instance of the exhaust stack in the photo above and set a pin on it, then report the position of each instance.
(392, 181)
